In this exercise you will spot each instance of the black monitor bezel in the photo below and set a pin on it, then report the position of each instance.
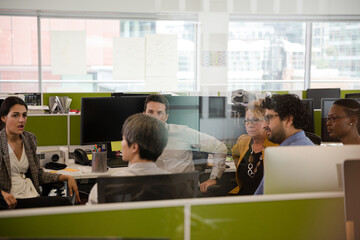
(314, 94)
(311, 124)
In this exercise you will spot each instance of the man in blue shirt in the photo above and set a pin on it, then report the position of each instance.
(285, 117)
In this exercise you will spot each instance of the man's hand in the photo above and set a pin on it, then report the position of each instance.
(71, 186)
(204, 186)
(9, 199)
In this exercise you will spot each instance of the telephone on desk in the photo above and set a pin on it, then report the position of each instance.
(81, 157)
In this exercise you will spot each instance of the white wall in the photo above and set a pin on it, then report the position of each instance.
(324, 7)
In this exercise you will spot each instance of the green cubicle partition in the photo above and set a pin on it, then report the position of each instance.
(50, 130)
(76, 97)
(284, 216)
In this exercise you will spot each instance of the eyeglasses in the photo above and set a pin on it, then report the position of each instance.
(332, 118)
(267, 118)
(254, 121)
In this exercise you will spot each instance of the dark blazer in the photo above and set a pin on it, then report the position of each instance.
(37, 174)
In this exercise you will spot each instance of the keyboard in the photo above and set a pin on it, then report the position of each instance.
(116, 162)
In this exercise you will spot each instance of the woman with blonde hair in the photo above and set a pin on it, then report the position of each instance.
(248, 151)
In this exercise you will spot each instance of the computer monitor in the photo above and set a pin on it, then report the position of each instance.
(309, 106)
(102, 118)
(326, 104)
(122, 94)
(146, 188)
(318, 93)
(352, 197)
(295, 169)
(352, 95)
(184, 110)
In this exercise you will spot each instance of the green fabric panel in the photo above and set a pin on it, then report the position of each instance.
(76, 97)
(75, 129)
(136, 223)
(343, 92)
(49, 130)
(296, 219)
(304, 94)
(317, 122)
(277, 92)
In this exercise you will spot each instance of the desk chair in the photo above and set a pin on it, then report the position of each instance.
(316, 139)
(351, 184)
(47, 187)
(225, 183)
(146, 188)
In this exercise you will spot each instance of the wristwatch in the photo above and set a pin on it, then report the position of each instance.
(212, 177)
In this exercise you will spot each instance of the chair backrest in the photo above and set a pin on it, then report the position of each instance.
(149, 187)
(316, 139)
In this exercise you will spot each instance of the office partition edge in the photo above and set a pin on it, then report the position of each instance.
(169, 203)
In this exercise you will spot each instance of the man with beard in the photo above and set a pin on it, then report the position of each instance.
(285, 119)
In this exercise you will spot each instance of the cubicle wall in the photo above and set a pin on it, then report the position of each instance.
(285, 216)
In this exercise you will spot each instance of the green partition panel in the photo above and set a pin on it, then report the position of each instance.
(75, 129)
(76, 97)
(343, 92)
(165, 223)
(317, 122)
(292, 219)
(49, 130)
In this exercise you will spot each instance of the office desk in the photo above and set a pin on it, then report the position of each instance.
(84, 177)
(84, 172)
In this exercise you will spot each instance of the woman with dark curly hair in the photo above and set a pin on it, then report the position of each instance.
(343, 121)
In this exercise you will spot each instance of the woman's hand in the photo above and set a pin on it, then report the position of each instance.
(71, 186)
(9, 199)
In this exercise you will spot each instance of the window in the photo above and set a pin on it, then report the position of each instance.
(335, 61)
(95, 47)
(18, 54)
(77, 54)
(266, 55)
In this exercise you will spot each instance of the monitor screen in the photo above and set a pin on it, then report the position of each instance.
(102, 118)
(318, 93)
(326, 104)
(184, 110)
(309, 106)
(352, 95)
(295, 169)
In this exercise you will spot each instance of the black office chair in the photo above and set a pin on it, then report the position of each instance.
(47, 187)
(146, 188)
(316, 139)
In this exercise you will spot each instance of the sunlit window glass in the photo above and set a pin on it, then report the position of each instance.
(83, 55)
(335, 55)
(266, 55)
(18, 54)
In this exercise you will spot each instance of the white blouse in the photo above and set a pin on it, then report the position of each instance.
(21, 187)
